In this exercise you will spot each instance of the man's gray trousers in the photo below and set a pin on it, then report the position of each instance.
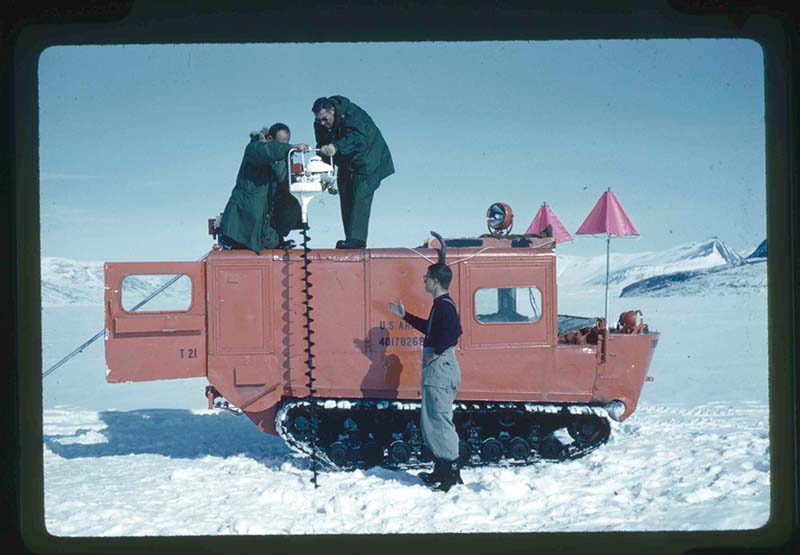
(441, 378)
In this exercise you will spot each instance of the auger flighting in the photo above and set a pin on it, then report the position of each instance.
(307, 180)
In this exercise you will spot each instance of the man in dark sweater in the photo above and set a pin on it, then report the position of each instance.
(441, 376)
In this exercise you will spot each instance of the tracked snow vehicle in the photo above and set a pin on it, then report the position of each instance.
(335, 373)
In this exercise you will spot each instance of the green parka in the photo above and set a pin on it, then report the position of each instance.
(360, 147)
(249, 215)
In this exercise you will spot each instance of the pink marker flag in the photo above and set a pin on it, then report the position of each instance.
(546, 216)
(608, 216)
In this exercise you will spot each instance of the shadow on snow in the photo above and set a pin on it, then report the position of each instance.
(174, 433)
(182, 434)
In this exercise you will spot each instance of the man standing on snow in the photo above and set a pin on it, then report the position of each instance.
(346, 133)
(248, 219)
(441, 375)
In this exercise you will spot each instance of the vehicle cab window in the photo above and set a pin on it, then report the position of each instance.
(508, 305)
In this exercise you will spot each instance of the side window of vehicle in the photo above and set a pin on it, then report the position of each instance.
(176, 297)
(508, 305)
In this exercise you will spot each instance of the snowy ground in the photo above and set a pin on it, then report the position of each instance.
(176, 472)
(147, 459)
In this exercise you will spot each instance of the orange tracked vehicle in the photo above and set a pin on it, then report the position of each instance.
(526, 370)
(335, 373)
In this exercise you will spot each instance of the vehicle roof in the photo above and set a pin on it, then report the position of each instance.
(457, 248)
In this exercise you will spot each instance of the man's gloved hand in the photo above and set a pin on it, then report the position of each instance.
(328, 150)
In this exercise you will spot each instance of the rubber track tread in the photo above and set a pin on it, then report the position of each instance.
(462, 410)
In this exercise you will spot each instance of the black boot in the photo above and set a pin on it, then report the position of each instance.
(435, 476)
(450, 476)
(351, 244)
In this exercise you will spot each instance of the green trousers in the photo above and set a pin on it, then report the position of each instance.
(355, 207)
(288, 215)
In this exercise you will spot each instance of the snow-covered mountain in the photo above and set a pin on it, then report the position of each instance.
(687, 269)
(761, 251)
(733, 274)
(702, 255)
(66, 281)
(77, 282)
(748, 277)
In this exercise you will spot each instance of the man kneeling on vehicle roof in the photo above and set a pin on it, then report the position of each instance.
(249, 220)
(287, 212)
(441, 375)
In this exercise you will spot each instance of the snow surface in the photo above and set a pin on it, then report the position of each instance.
(148, 459)
(180, 472)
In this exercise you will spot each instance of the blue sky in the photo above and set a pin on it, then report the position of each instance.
(140, 144)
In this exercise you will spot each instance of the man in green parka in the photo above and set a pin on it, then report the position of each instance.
(288, 214)
(347, 133)
(249, 220)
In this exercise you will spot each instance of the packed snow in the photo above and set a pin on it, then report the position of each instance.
(144, 459)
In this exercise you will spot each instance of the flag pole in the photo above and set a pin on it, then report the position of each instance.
(608, 260)
(608, 250)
